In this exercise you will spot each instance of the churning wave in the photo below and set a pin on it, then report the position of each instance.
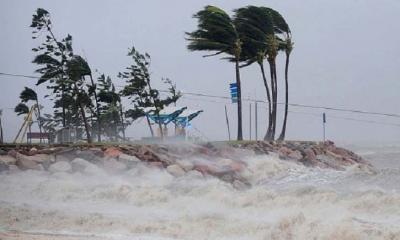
(286, 200)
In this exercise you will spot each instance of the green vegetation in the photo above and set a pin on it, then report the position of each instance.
(83, 103)
(251, 35)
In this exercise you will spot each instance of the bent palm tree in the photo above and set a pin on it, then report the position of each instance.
(217, 33)
(282, 28)
(288, 46)
(273, 46)
(255, 26)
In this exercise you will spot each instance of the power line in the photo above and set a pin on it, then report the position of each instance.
(18, 75)
(260, 101)
(348, 118)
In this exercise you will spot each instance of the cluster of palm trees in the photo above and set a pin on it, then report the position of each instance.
(252, 35)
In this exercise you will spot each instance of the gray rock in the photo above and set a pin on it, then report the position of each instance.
(61, 166)
(79, 164)
(175, 170)
(25, 163)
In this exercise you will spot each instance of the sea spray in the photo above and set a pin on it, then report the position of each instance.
(285, 200)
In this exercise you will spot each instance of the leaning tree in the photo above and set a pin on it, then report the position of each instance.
(217, 32)
(52, 57)
(255, 27)
(140, 91)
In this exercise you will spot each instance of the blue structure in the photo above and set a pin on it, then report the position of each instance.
(180, 116)
(234, 92)
(183, 120)
(165, 116)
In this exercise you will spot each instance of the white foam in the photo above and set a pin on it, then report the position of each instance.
(286, 201)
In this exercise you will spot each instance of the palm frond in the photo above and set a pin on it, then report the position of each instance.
(27, 95)
(21, 108)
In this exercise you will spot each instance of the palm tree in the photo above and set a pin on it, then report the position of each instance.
(282, 28)
(255, 26)
(27, 95)
(288, 49)
(217, 32)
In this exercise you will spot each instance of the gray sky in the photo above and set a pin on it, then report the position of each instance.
(347, 54)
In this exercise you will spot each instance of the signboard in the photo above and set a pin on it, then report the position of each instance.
(37, 135)
(234, 92)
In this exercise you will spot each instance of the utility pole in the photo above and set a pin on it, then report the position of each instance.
(1, 128)
(256, 120)
(227, 123)
(323, 125)
(250, 122)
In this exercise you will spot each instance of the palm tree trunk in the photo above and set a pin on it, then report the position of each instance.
(267, 136)
(39, 119)
(239, 96)
(89, 139)
(270, 134)
(275, 100)
(97, 110)
(283, 133)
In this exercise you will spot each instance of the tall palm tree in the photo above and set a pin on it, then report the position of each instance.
(288, 46)
(255, 26)
(281, 28)
(217, 32)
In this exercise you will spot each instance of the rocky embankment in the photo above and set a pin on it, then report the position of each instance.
(226, 161)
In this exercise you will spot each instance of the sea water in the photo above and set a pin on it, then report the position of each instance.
(286, 200)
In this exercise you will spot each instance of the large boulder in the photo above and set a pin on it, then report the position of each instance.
(25, 162)
(175, 170)
(61, 166)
